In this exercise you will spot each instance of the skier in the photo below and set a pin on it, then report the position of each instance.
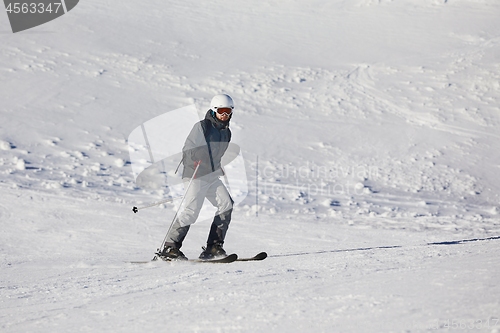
(204, 148)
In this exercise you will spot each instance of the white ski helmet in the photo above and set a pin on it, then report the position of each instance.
(221, 101)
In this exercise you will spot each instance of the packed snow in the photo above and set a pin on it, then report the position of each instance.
(369, 131)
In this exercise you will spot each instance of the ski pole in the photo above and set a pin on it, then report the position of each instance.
(178, 209)
(136, 209)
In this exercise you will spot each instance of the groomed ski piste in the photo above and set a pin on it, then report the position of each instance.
(376, 128)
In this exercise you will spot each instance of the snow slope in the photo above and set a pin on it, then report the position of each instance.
(375, 125)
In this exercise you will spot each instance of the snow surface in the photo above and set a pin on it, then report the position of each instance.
(376, 128)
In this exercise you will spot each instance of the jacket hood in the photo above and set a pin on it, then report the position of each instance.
(210, 115)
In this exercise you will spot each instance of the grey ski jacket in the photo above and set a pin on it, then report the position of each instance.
(207, 142)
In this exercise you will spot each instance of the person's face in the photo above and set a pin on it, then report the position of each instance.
(223, 113)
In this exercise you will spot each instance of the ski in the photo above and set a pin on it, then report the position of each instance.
(141, 262)
(260, 256)
(225, 260)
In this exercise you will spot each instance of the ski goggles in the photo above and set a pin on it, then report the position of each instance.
(226, 111)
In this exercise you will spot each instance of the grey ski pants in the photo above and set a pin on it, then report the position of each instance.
(212, 188)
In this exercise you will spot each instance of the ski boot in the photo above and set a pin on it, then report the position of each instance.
(212, 252)
(171, 253)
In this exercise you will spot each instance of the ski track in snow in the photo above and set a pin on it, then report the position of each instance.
(375, 123)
